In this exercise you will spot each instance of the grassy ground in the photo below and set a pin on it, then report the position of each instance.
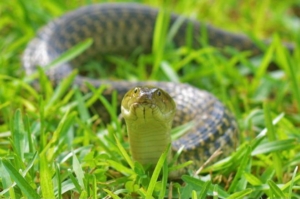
(52, 146)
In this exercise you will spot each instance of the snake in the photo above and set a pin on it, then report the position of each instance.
(150, 108)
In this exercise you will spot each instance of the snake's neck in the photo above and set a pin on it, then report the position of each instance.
(148, 140)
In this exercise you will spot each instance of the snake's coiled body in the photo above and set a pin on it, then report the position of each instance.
(120, 29)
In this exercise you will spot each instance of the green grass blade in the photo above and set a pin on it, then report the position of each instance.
(240, 194)
(25, 171)
(82, 109)
(83, 113)
(290, 65)
(59, 182)
(275, 190)
(292, 182)
(20, 180)
(164, 181)
(78, 171)
(261, 71)
(119, 167)
(6, 183)
(199, 184)
(51, 145)
(74, 180)
(275, 146)
(274, 121)
(159, 39)
(271, 133)
(46, 178)
(18, 135)
(83, 195)
(156, 172)
(29, 137)
(204, 190)
(252, 179)
(60, 91)
(215, 192)
(245, 161)
(110, 107)
(94, 188)
(169, 72)
(178, 131)
(124, 154)
(111, 194)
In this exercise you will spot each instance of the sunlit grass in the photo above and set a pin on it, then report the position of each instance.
(54, 143)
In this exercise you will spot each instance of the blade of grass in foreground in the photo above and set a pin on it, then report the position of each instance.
(111, 194)
(59, 182)
(275, 190)
(46, 179)
(21, 182)
(199, 184)
(78, 171)
(292, 182)
(272, 137)
(275, 146)
(18, 135)
(59, 92)
(164, 180)
(156, 172)
(245, 162)
(7, 180)
(204, 190)
(240, 194)
(45, 170)
(124, 153)
(7, 184)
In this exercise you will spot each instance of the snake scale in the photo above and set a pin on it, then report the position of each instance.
(121, 28)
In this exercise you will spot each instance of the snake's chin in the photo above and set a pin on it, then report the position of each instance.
(144, 111)
(143, 105)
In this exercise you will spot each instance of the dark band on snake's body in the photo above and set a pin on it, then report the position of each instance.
(120, 29)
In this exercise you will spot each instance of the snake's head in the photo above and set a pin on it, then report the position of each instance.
(148, 113)
(147, 102)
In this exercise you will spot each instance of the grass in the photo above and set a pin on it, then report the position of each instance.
(52, 145)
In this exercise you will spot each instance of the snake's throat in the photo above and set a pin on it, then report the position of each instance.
(148, 140)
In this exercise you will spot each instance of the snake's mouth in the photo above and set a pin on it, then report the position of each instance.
(143, 105)
(146, 111)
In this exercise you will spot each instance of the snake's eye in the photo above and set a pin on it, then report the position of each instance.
(159, 93)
